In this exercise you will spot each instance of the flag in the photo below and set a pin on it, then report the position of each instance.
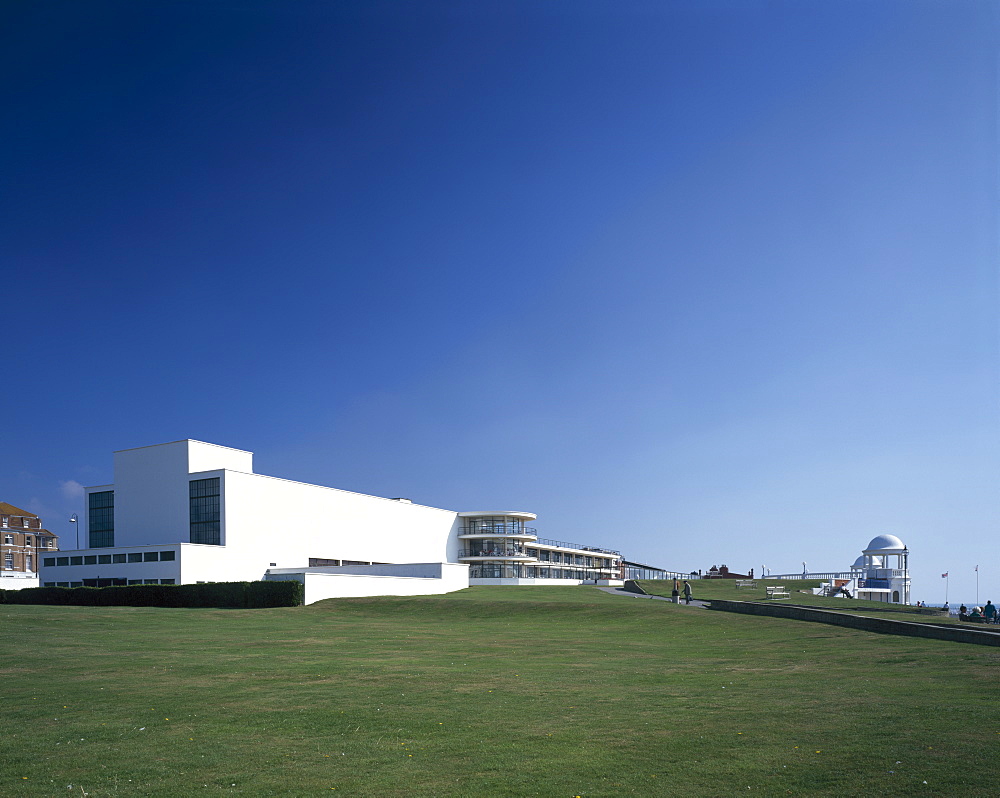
(944, 575)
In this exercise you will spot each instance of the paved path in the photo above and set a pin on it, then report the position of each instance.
(617, 591)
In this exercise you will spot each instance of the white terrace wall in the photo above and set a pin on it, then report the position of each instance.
(411, 579)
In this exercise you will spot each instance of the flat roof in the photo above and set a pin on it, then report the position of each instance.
(182, 440)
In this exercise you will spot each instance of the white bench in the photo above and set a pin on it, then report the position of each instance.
(745, 583)
(776, 592)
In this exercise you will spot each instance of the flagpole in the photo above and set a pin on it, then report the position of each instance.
(946, 580)
(977, 585)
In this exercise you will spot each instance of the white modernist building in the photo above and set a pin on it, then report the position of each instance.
(188, 511)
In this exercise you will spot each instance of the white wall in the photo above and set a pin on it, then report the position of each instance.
(530, 582)
(204, 563)
(268, 520)
(212, 457)
(151, 495)
(17, 582)
(411, 579)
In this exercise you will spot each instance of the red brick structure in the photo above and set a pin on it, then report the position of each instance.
(723, 572)
(22, 540)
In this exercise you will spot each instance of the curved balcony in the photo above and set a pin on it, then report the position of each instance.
(504, 553)
(503, 531)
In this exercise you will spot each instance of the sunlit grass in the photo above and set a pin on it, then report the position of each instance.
(799, 591)
(491, 691)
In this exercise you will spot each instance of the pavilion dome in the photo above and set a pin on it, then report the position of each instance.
(885, 544)
(860, 563)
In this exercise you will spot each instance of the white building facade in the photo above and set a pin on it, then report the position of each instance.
(188, 511)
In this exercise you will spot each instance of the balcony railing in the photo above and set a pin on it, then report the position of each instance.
(497, 529)
(578, 560)
(578, 546)
(530, 571)
(494, 551)
(812, 575)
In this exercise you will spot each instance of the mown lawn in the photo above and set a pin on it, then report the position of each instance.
(487, 692)
(707, 589)
(798, 590)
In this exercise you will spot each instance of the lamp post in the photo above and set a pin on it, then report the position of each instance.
(75, 519)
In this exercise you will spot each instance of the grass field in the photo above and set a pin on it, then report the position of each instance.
(708, 589)
(486, 692)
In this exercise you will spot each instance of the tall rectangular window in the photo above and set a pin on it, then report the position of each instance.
(206, 511)
(102, 519)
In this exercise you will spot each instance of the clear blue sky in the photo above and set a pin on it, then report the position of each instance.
(709, 282)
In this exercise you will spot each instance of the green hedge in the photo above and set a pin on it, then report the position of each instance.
(238, 595)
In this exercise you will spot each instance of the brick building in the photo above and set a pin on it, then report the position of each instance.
(22, 541)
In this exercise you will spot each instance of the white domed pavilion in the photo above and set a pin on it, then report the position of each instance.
(883, 571)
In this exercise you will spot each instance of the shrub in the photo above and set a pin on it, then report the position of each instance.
(237, 595)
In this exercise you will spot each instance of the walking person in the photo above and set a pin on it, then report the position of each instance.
(687, 592)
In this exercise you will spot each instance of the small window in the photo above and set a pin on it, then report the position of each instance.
(117, 558)
(27, 540)
(135, 581)
(76, 560)
(62, 560)
(8, 539)
(90, 559)
(62, 584)
(151, 581)
(104, 559)
(135, 557)
(166, 556)
(166, 581)
(150, 556)
(49, 562)
(76, 584)
(49, 584)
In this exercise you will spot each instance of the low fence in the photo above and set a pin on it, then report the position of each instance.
(632, 572)
(956, 634)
